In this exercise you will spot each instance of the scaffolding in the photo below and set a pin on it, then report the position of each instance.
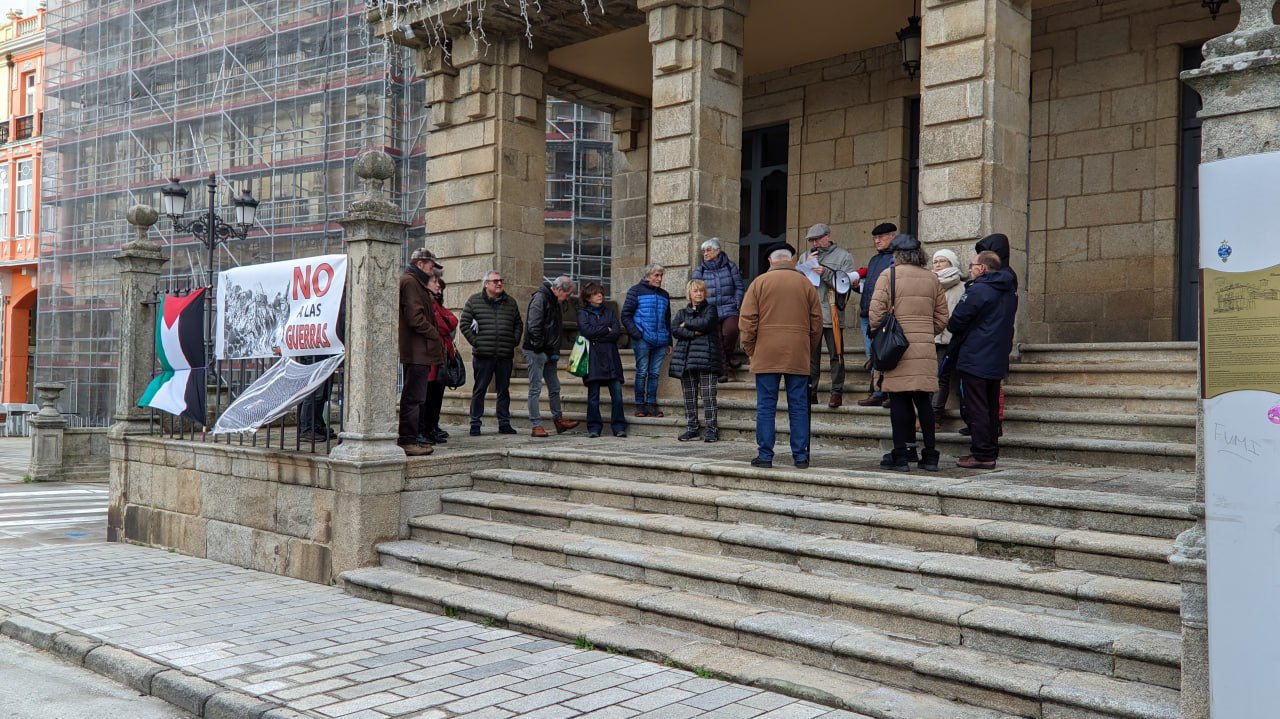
(579, 202)
(278, 96)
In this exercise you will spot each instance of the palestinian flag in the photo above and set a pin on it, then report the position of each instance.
(180, 387)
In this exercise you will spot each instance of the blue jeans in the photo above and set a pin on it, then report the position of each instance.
(648, 370)
(797, 413)
(617, 417)
(542, 368)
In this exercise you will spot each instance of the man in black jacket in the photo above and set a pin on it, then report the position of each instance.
(882, 235)
(542, 351)
(983, 322)
(491, 323)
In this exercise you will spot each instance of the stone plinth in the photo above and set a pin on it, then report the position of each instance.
(47, 429)
(140, 263)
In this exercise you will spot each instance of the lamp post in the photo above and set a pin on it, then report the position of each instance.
(210, 229)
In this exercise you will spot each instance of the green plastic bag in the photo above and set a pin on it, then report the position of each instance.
(579, 357)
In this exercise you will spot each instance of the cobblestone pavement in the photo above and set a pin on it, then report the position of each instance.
(323, 653)
(38, 514)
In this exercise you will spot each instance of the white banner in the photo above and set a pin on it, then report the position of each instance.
(281, 309)
(1240, 342)
(287, 383)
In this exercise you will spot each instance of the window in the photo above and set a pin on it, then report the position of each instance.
(29, 86)
(4, 202)
(25, 200)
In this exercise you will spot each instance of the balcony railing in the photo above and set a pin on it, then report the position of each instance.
(4, 132)
(28, 25)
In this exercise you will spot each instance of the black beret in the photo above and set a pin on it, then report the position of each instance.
(884, 228)
(779, 246)
(904, 243)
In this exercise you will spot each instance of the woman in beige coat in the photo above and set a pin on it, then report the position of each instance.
(920, 304)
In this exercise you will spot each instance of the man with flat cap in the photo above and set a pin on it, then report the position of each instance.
(781, 325)
(829, 263)
(882, 235)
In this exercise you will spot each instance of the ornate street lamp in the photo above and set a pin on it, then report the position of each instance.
(210, 229)
(909, 41)
(1214, 7)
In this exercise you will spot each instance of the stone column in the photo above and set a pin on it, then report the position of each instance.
(140, 264)
(975, 115)
(47, 428)
(630, 247)
(367, 467)
(696, 130)
(487, 161)
(1239, 83)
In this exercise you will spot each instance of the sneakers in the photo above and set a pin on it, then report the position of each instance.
(970, 462)
(564, 425)
(762, 463)
(539, 432)
(417, 450)
(929, 460)
(620, 435)
(894, 462)
(837, 399)
(713, 435)
(593, 435)
(475, 430)
(506, 429)
(689, 435)
(871, 401)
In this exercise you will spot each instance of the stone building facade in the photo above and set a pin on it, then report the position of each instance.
(1061, 124)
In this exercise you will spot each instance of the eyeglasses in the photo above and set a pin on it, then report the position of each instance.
(496, 282)
(976, 264)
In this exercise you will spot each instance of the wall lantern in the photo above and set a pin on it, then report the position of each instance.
(909, 40)
(1214, 7)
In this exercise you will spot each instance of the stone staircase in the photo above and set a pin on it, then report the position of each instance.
(1036, 591)
(1120, 404)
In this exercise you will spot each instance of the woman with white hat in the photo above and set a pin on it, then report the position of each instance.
(946, 265)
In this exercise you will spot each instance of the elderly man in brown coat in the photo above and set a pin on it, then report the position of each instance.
(917, 299)
(781, 326)
(420, 346)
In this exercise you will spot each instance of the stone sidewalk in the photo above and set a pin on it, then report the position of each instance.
(230, 643)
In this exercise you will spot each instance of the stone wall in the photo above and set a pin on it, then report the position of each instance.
(267, 510)
(85, 454)
(848, 148)
(1104, 170)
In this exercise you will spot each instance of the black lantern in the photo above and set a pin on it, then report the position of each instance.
(909, 40)
(173, 198)
(1213, 6)
(209, 228)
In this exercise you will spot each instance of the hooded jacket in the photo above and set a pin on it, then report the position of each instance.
(998, 244)
(953, 285)
(983, 324)
(724, 284)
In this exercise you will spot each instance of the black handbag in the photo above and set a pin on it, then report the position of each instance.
(889, 342)
(454, 372)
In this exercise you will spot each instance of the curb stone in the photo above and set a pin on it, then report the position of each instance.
(183, 690)
(30, 631)
(175, 686)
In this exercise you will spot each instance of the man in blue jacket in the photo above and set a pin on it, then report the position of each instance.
(882, 235)
(983, 320)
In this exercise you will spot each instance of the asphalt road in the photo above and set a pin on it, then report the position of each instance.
(38, 685)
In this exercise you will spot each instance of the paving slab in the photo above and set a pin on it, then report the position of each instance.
(405, 660)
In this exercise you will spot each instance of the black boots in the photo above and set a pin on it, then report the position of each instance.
(929, 460)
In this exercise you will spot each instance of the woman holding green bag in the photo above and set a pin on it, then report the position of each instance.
(602, 328)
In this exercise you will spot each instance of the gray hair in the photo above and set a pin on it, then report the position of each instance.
(711, 244)
(563, 283)
(910, 257)
(653, 267)
(489, 274)
(780, 255)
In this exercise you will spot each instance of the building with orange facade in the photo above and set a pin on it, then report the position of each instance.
(21, 110)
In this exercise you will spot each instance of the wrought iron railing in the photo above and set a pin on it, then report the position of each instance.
(226, 379)
(24, 127)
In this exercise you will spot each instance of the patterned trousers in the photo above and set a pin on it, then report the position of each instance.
(693, 384)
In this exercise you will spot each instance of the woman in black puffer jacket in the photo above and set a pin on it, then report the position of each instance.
(696, 359)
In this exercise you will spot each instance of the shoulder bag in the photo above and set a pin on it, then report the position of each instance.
(889, 342)
(454, 372)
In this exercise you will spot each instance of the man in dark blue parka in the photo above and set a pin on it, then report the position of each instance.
(984, 321)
